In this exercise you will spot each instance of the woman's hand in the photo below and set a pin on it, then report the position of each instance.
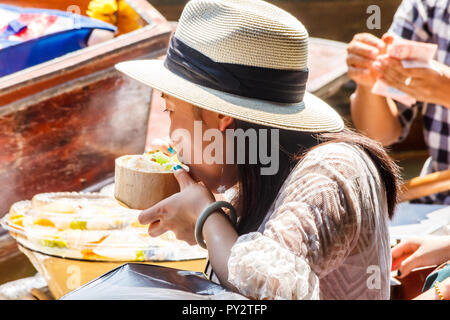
(180, 211)
(427, 85)
(362, 52)
(420, 252)
(431, 294)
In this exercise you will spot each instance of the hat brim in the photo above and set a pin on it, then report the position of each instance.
(310, 115)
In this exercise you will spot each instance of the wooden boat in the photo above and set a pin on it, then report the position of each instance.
(63, 122)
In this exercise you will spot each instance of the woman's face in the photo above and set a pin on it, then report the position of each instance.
(204, 155)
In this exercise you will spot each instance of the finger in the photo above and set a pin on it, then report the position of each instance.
(409, 264)
(354, 72)
(358, 61)
(363, 49)
(398, 261)
(387, 38)
(391, 64)
(404, 247)
(391, 71)
(154, 213)
(183, 178)
(163, 146)
(365, 77)
(370, 39)
(394, 68)
(402, 251)
(157, 228)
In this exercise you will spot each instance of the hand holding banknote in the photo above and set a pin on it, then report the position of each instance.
(362, 52)
(429, 83)
(408, 73)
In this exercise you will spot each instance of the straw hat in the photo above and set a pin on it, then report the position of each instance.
(243, 58)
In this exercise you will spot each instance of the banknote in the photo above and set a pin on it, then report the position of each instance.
(381, 88)
(413, 54)
(411, 50)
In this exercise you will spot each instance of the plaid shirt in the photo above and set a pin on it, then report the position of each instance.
(428, 21)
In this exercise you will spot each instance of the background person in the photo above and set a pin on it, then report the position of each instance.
(420, 252)
(389, 121)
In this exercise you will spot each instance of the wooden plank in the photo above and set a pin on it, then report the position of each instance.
(426, 185)
(62, 5)
(83, 62)
(13, 264)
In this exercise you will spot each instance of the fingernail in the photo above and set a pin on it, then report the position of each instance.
(399, 273)
(175, 168)
(171, 150)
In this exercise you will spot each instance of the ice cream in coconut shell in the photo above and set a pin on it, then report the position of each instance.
(143, 180)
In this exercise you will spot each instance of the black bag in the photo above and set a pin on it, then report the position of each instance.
(134, 281)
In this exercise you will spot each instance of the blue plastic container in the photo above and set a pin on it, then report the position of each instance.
(18, 55)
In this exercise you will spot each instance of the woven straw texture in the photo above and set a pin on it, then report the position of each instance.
(246, 32)
(251, 33)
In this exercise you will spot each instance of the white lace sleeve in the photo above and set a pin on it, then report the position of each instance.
(262, 269)
(314, 226)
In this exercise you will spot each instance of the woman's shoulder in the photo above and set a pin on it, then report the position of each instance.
(337, 152)
(337, 161)
(338, 147)
(331, 168)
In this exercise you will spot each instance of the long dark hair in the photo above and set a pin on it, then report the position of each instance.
(257, 192)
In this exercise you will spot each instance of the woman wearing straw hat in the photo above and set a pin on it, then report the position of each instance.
(316, 227)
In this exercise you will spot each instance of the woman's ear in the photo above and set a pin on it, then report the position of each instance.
(225, 122)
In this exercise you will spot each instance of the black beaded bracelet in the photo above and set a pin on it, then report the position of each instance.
(213, 207)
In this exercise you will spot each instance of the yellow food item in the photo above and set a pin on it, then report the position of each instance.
(136, 224)
(17, 220)
(78, 224)
(116, 12)
(90, 226)
(140, 256)
(99, 241)
(44, 222)
(127, 18)
(52, 243)
(104, 10)
(88, 254)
